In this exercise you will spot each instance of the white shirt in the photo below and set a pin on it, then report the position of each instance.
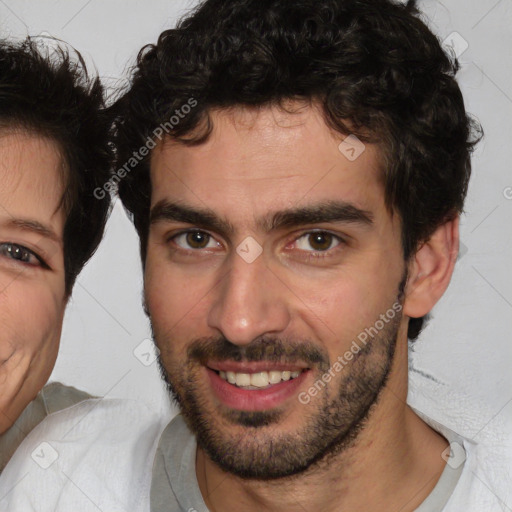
(96, 455)
(470, 482)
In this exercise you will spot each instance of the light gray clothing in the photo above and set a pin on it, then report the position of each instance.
(53, 397)
(95, 455)
(174, 486)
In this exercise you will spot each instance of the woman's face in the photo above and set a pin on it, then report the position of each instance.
(32, 288)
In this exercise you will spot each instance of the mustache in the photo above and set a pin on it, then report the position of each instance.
(266, 348)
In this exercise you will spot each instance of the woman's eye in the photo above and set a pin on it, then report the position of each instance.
(195, 240)
(19, 253)
(317, 241)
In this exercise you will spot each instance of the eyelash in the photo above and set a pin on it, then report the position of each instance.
(313, 254)
(4, 251)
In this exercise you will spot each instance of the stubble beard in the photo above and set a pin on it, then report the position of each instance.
(257, 449)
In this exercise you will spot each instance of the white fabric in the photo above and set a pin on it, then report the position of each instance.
(485, 484)
(105, 452)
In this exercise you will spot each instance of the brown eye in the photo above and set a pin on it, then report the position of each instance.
(317, 246)
(317, 242)
(320, 241)
(197, 239)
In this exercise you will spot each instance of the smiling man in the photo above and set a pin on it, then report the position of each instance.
(298, 217)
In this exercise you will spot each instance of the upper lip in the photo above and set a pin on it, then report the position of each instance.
(254, 366)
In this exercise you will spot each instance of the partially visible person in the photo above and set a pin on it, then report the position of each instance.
(53, 153)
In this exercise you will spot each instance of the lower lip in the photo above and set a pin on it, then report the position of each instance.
(254, 399)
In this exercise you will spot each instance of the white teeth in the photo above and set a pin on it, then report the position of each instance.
(243, 379)
(274, 377)
(259, 379)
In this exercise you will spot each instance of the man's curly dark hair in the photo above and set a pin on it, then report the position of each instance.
(48, 93)
(373, 66)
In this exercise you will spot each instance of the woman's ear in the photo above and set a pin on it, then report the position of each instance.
(431, 269)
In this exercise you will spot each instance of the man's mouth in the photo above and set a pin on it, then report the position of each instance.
(259, 380)
(255, 386)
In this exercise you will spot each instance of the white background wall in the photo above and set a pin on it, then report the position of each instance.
(467, 344)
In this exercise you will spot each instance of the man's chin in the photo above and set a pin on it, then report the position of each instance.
(253, 419)
(262, 445)
(257, 445)
(255, 452)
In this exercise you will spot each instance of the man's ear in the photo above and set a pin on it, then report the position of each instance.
(431, 269)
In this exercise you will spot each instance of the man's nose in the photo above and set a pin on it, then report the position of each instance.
(249, 302)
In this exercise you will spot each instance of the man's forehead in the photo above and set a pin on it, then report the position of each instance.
(266, 159)
(245, 137)
(244, 132)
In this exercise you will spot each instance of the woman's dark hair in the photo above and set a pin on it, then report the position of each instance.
(373, 66)
(48, 93)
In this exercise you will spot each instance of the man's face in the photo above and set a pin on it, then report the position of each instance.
(269, 253)
(32, 296)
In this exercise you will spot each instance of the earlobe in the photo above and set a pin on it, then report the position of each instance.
(431, 269)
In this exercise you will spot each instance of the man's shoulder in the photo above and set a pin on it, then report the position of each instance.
(485, 480)
(480, 439)
(95, 453)
(480, 472)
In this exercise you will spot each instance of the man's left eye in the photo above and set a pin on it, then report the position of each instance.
(317, 241)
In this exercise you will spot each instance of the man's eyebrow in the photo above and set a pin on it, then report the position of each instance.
(35, 227)
(328, 211)
(201, 217)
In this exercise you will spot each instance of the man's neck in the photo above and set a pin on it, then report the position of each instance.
(393, 465)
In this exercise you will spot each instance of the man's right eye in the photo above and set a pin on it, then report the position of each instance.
(20, 254)
(194, 239)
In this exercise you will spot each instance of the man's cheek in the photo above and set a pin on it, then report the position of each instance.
(161, 296)
(172, 310)
(168, 335)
